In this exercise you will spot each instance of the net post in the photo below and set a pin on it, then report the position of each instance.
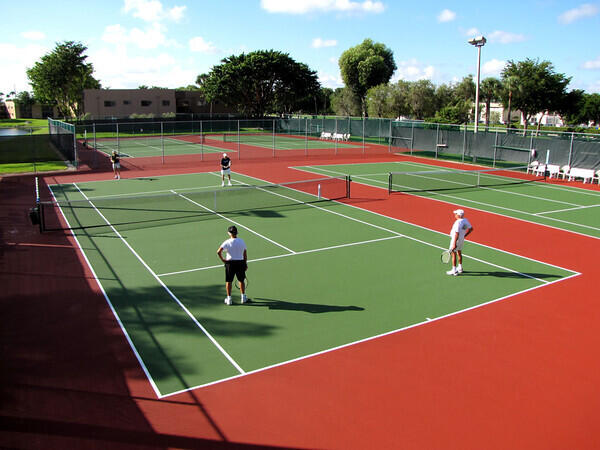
(389, 183)
(348, 183)
(162, 141)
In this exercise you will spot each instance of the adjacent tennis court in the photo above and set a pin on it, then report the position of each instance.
(323, 274)
(185, 144)
(504, 192)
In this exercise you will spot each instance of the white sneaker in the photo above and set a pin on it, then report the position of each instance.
(245, 298)
(222, 183)
(459, 269)
(452, 272)
(228, 300)
(229, 183)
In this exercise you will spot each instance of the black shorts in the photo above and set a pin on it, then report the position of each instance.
(235, 267)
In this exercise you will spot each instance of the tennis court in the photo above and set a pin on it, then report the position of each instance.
(186, 144)
(502, 192)
(323, 274)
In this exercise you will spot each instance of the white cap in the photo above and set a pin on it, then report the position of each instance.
(224, 155)
(460, 212)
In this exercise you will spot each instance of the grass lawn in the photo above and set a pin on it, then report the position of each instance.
(47, 166)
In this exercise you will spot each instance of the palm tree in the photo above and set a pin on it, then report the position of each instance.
(490, 90)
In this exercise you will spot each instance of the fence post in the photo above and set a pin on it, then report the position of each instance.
(390, 138)
(118, 148)
(363, 135)
(201, 143)
(571, 149)
(464, 143)
(437, 139)
(495, 148)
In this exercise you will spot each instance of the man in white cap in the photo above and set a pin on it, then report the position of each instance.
(225, 169)
(460, 230)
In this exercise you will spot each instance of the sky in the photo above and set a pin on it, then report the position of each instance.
(168, 43)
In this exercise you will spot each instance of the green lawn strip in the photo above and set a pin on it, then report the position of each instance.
(46, 166)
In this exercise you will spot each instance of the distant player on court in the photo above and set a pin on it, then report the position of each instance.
(460, 230)
(116, 163)
(225, 169)
(236, 263)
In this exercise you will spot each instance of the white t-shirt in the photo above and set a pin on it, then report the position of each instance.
(461, 226)
(235, 248)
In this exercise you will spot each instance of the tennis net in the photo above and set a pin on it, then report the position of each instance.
(164, 208)
(448, 179)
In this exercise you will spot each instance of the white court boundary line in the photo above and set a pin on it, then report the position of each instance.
(240, 370)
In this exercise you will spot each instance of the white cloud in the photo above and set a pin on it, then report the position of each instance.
(583, 11)
(33, 35)
(153, 10)
(116, 69)
(306, 6)
(472, 32)
(504, 37)
(320, 43)
(198, 44)
(493, 67)
(446, 16)
(15, 62)
(151, 37)
(592, 65)
(330, 81)
(413, 70)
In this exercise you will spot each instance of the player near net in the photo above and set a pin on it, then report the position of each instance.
(225, 169)
(236, 263)
(461, 228)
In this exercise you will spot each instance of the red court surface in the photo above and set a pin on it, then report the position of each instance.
(521, 373)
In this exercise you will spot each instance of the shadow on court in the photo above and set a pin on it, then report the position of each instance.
(296, 306)
(499, 274)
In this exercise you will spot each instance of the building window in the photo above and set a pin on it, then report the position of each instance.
(126, 102)
(109, 103)
(146, 102)
(166, 102)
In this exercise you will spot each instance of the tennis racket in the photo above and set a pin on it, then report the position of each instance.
(446, 256)
(246, 282)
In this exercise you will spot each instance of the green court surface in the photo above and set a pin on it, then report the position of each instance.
(143, 146)
(322, 274)
(556, 205)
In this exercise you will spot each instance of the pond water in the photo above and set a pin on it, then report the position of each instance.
(14, 131)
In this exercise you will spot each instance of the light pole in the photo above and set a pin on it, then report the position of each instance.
(477, 42)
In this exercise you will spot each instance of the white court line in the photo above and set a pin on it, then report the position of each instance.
(567, 209)
(164, 286)
(360, 341)
(266, 258)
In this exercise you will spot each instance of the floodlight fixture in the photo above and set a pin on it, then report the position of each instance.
(478, 42)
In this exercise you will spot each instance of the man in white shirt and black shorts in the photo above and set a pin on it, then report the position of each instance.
(236, 263)
(225, 169)
(461, 228)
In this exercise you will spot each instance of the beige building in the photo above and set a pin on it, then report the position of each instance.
(35, 111)
(105, 103)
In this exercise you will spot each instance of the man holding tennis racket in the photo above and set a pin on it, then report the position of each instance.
(225, 169)
(236, 263)
(460, 230)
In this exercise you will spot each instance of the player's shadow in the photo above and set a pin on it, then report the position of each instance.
(499, 274)
(313, 308)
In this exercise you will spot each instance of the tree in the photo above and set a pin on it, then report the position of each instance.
(260, 81)
(421, 98)
(540, 89)
(591, 108)
(367, 65)
(345, 103)
(489, 91)
(378, 100)
(399, 105)
(60, 77)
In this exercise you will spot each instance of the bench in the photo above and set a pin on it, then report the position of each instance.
(585, 174)
(325, 135)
